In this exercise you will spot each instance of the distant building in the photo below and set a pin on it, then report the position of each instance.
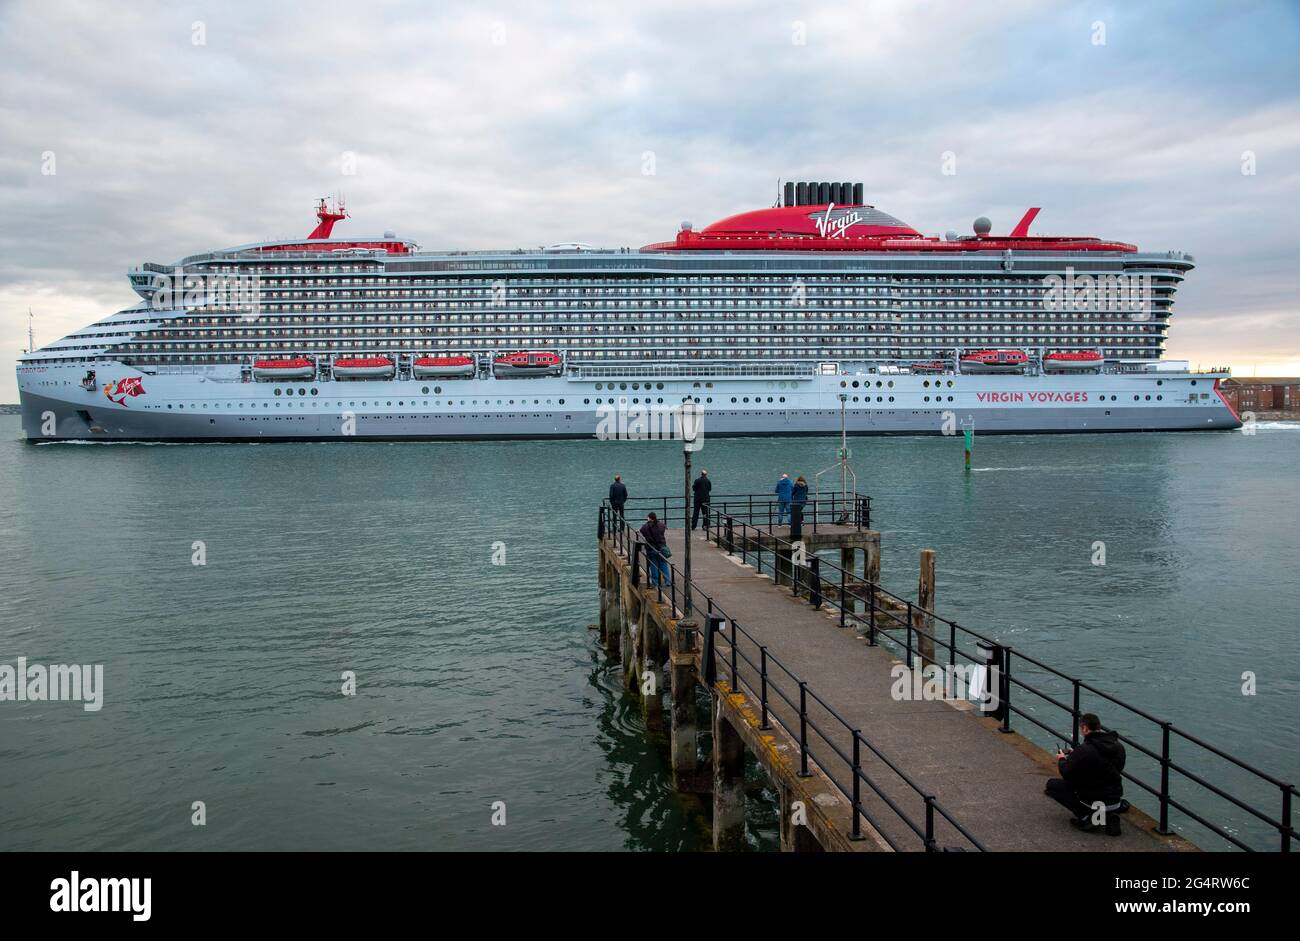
(1262, 395)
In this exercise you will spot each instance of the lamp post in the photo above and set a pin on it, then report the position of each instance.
(692, 422)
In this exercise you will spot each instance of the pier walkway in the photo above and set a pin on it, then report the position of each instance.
(991, 783)
(816, 671)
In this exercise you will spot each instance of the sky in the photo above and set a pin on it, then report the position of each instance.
(141, 131)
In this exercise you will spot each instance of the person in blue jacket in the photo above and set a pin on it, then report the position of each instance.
(798, 498)
(784, 487)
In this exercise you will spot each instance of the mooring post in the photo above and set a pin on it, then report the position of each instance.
(728, 782)
(683, 733)
(922, 616)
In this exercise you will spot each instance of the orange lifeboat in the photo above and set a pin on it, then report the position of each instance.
(1072, 362)
(433, 367)
(994, 361)
(530, 363)
(364, 367)
(297, 367)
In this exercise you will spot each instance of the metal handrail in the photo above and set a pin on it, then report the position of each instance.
(629, 542)
(723, 528)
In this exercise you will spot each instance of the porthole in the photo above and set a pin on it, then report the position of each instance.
(302, 391)
(926, 384)
(855, 383)
(891, 398)
(424, 389)
(317, 391)
(891, 383)
(277, 391)
(599, 386)
(843, 384)
(659, 386)
(437, 390)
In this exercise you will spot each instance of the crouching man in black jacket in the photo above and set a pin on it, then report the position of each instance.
(1090, 775)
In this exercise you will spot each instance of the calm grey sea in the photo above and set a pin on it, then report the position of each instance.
(479, 683)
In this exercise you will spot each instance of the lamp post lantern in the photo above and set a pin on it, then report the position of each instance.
(691, 418)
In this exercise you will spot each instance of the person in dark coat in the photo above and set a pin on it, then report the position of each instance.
(784, 487)
(618, 494)
(700, 491)
(798, 498)
(655, 535)
(1090, 775)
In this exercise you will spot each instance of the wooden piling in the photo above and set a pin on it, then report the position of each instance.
(922, 623)
(683, 732)
(728, 783)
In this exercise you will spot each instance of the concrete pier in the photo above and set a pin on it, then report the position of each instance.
(992, 784)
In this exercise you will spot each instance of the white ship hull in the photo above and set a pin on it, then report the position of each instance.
(214, 404)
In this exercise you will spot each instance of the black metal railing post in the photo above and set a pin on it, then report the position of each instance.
(600, 524)
(1286, 817)
(844, 601)
(1163, 828)
(762, 696)
(871, 615)
(1004, 690)
(857, 786)
(735, 676)
(930, 845)
(815, 582)
(909, 635)
(1074, 726)
(803, 730)
(636, 564)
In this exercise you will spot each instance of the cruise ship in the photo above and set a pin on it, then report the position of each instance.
(816, 312)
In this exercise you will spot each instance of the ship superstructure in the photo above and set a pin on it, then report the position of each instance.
(772, 320)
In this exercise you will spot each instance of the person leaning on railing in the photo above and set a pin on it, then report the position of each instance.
(1090, 781)
(655, 534)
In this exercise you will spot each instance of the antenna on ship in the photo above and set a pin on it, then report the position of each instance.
(31, 342)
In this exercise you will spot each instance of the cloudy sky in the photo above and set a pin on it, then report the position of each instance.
(140, 131)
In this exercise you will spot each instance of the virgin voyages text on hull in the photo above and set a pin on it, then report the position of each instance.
(771, 320)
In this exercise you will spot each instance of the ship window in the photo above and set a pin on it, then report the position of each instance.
(424, 389)
(277, 391)
(302, 391)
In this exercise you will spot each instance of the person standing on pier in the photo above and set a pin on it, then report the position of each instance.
(783, 489)
(798, 498)
(655, 534)
(700, 491)
(1090, 775)
(618, 495)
